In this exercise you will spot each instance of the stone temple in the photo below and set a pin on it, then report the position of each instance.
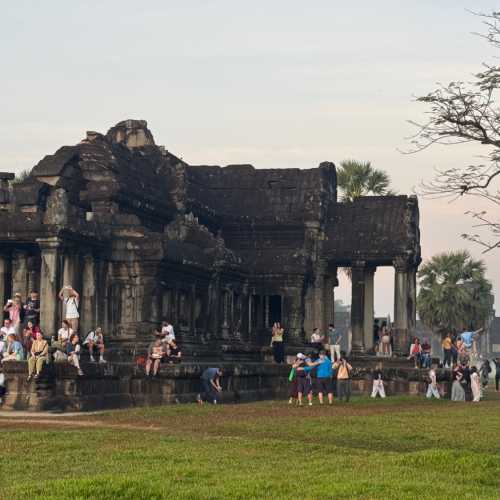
(221, 252)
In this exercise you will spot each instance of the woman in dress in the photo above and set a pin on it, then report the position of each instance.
(457, 390)
(71, 301)
(475, 385)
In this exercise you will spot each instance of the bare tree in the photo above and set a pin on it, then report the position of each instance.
(466, 112)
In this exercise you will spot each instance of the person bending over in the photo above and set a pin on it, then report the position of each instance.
(211, 386)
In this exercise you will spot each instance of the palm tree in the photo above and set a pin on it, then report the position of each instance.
(454, 293)
(357, 179)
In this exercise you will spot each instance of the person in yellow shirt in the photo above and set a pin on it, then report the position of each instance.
(343, 379)
(447, 345)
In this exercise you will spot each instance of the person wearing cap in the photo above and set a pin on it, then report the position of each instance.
(304, 385)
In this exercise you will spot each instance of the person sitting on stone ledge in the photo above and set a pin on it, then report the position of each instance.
(167, 331)
(6, 330)
(73, 350)
(173, 353)
(426, 353)
(95, 340)
(39, 356)
(63, 336)
(156, 352)
(13, 351)
(416, 352)
(29, 335)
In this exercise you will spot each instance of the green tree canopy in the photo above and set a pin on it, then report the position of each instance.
(454, 293)
(357, 179)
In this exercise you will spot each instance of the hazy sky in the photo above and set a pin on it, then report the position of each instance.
(272, 83)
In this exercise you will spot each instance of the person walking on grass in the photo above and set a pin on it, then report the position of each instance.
(343, 379)
(475, 385)
(497, 373)
(432, 388)
(211, 386)
(378, 382)
(324, 373)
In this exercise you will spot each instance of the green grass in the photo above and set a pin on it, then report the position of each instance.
(399, 448)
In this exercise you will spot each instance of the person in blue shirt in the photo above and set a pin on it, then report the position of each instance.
(324, 374)
(211, 387)
(469, 338)
(13, 350)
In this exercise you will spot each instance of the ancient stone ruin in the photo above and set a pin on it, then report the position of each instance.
(221, 252)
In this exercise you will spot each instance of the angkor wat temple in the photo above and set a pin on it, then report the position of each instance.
(220, 252)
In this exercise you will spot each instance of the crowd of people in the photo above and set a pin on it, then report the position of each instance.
(21, 337)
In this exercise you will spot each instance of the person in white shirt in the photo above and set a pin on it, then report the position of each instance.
(71, 300)
(6, 330)
(432, 388)
(63, 336)
(95, 340)
(167, 331)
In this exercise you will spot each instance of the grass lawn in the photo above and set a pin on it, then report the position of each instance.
(399, 448)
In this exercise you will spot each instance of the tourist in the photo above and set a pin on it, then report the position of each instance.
(323, 379)
(13, 351)
(63, 335)
(173, 353)
(432, 388)
(71, 299)
(462, 355)
(416, 352)
(496, 361)
(2, 385)
(32, 309)
(475, 385)
(15, 309)
(277, 333)
(156, 352)
(378, 382)
(343, 379)
(317, 340)
(457, 389)
(6, 330)
(28, 336)
(376, 335)
(464, 368)
(385, 340)
(95, 341)
(73, 350)
(484, 373)
(39, 356)
(167, 331)
(334, 339)
(292, 378)
(426, 353)
(454, 351)
(304, 383)
(469, 339)
(447, 345)
(211, 386)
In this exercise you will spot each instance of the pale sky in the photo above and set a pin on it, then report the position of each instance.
(271, 83)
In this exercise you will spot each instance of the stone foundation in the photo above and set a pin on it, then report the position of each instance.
(124, 385)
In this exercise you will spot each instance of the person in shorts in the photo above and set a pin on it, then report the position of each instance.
(156, 352)
(304, 385)
(323, 381)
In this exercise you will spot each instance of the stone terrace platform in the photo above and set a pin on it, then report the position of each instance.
(123, 385)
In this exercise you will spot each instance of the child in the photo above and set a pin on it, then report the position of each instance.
(432, 388)
(378, 382)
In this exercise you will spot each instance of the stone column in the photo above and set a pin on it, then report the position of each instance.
(4, 274)
(412, 301)
(369, 307)
(358, 306)
(49, 284)
(328, 303)
(401, 293)
(20, 273)
(88, 295)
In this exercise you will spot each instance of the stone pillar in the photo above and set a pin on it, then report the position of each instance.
(328, 303)
(4, 274)
(88, 295)
(369, 307)
(401, 294)
(20, 273)
(358, 307)
(412, 301)
(49, 284)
